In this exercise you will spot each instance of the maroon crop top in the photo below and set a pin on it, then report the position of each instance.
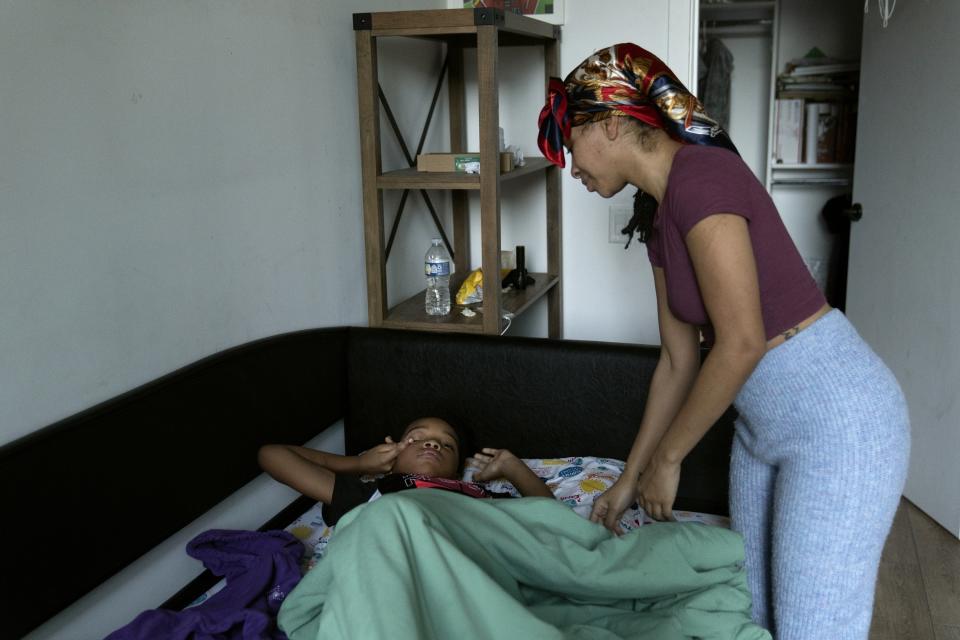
(704, 181)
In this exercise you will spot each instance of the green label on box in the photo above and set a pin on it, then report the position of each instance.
(467, 164)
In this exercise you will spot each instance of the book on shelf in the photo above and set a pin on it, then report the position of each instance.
(819, 96)
(823, 69)
(844, 79)
(820, 133)
(816, 86)
(788, 131)
(816, 62)
(814, 133)
(847, 133)
(843, 87)
(815, 111)
(820, 74)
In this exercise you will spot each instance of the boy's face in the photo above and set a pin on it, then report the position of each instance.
(430, 449)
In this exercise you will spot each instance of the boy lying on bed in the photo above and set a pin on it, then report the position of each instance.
(427, 456)
(418, 565)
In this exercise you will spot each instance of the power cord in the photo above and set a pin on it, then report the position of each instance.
(509, 318)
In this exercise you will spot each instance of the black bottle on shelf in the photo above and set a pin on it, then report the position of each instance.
(519, 278)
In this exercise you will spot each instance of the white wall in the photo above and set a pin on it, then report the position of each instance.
(175, 178)
(608, 292)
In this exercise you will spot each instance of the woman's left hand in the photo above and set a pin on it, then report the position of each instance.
(657, 488)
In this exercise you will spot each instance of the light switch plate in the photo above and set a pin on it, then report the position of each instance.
(619, 218)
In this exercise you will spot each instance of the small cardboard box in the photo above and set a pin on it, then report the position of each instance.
(459, 162)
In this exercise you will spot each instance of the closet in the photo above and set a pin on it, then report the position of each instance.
(754, 43)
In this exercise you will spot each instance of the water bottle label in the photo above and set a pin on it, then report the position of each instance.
(436, 269)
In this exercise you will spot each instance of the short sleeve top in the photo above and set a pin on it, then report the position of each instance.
(705, 181)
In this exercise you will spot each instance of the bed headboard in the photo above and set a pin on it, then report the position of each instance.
(536, 397)
(181, 443)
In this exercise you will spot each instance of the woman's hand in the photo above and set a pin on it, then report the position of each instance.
(608, 508)
(495, 463)
(657, 488)
(381, 458)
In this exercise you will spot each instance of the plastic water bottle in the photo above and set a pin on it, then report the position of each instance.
(437, 266)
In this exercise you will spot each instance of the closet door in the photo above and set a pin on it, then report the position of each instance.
(904, 273)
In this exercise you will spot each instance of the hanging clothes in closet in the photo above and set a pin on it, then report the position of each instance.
(716, 69)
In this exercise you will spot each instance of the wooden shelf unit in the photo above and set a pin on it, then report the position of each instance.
(410, 313)
(413, 179)
(486, 30)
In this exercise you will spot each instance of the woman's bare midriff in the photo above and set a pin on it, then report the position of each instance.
(780, 338)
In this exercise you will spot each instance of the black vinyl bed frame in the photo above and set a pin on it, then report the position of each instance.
(186, 441)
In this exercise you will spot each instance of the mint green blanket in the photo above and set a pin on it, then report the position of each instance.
(432, 564)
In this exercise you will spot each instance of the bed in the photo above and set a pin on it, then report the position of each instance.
(574, 480)
(196, 432)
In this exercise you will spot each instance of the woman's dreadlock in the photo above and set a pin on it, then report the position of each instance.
(644, 209)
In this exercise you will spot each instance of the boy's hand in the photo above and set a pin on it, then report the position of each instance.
(495, 463)
(381, 458)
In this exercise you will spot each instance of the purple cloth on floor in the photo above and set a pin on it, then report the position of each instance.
(261, 568)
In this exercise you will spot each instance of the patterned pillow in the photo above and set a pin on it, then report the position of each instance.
(577, 481)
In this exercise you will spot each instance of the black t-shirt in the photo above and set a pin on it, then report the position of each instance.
(350, 491)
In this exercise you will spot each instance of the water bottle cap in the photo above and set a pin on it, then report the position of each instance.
(436, 241)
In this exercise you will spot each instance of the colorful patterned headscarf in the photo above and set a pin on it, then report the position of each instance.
(624, 80)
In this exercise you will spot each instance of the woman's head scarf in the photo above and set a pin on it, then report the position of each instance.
(624, 80)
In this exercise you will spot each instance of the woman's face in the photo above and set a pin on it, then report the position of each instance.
(590, 159)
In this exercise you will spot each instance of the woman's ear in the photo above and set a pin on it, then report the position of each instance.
(611, 127)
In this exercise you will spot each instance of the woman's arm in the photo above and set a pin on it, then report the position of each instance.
(722, 256)
(672, 378)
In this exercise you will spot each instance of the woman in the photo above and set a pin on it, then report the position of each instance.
(822, 441)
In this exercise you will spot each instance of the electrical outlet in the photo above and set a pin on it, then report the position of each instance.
(619, 218)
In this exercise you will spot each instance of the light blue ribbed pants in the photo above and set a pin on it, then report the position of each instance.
(819, 463)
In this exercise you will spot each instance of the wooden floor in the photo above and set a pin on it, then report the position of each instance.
(918, 591)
